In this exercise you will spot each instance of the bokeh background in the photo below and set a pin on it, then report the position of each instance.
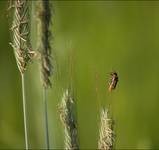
(91, 39)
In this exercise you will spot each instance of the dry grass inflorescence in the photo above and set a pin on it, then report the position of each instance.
(20, 31)
(44, 14)
(106, 133)
(68, 119)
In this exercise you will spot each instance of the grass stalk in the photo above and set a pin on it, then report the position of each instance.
(44, 16)
(20, 30)
(46, 118)
(24, 112)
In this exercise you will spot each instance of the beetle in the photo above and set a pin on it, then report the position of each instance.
(113, 81)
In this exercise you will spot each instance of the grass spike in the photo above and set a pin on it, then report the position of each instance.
(20, 31)
(106, 133)
(44, 42)
(67, 116)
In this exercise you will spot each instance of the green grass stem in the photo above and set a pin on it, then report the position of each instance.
(24, 112)
(46, 118)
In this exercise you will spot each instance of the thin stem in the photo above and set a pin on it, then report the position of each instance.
(24, 112)
(46, 118)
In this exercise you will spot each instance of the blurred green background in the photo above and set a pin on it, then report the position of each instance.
(95, 38)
